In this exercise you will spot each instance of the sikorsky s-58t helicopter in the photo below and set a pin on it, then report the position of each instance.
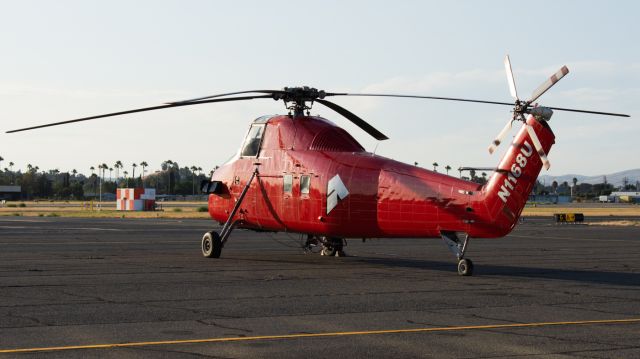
(303, 174)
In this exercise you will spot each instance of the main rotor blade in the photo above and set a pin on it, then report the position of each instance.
(550, 82)
(355, 119)
(423, 97)
(139, 110)
(510, 80)
(224, 94)
(593, 112)
(470, 100)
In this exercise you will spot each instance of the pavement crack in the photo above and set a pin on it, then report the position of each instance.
(214, 324)
(22, 316)
(85, 296)
(180, 352)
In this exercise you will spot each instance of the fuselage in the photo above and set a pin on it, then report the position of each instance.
(314, 178)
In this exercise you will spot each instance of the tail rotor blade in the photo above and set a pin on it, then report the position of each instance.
(501, 135)
(512, 83)
(547, 84)
(538, 146)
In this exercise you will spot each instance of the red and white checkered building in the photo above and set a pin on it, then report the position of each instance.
(135, 199)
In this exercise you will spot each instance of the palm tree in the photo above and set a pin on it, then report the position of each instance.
(167, 164)
(435, 165)
(126, 178)
(1, 159)
(74, 172)
(92, 169)
(29, 167)
(11, 170)
(575, 182)
(102, 167)
(118, 166)
(133, 173)
(144, 165)
(447, 168)
(110, 170)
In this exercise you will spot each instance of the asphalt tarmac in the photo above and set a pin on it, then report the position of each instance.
(76, 288)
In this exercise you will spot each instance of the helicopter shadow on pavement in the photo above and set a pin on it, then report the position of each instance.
(488, 270)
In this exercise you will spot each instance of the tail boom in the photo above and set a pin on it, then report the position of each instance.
(503, 198)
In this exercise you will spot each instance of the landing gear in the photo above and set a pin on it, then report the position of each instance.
(330, 246)
(211, 245)
(212, 242)
(458, 246)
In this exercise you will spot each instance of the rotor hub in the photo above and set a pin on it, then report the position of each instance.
(296, 98)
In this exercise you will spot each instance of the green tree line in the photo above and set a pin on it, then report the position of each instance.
(37, 183)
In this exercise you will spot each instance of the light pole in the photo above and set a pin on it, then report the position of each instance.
(193, 179)
(100, 186)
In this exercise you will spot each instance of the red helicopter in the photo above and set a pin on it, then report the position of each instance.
(304, 174)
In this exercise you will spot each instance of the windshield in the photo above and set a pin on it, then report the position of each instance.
(251, 145)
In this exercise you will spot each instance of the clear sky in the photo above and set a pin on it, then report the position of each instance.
(66, 59)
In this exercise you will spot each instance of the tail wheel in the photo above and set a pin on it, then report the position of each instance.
(211, 245)
(465, 267)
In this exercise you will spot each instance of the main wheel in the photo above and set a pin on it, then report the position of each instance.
(332, 247)
(211, 245)
(328, 251)
(465, 267)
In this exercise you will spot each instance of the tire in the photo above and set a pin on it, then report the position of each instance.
(465, 267)
(332, 246)
(328, 251)
(211, 245)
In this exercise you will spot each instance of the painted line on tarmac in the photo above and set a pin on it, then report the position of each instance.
(320, 335)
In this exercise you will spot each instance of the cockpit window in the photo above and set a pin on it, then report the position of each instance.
(251, 145)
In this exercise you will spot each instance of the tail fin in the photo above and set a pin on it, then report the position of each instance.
(507, 191)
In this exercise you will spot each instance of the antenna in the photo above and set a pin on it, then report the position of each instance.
(375, 149)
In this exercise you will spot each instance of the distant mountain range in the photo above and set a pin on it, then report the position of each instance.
(616, 179)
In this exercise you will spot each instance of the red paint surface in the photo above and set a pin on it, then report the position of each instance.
(386, 198)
